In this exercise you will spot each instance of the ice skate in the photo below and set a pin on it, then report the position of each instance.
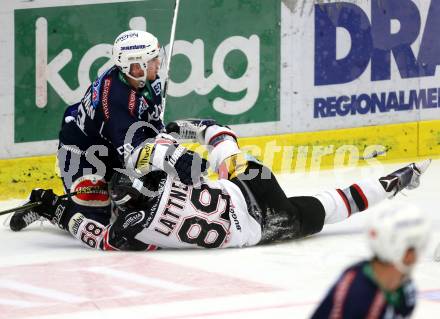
(406, 177)
(21, 220)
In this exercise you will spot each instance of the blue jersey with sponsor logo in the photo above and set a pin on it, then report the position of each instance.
(356, 295)
(107, 112)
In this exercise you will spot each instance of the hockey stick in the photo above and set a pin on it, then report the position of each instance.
(374, 154)
(84, 190)
(170, 54)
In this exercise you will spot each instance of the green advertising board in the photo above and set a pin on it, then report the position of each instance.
(226, 62)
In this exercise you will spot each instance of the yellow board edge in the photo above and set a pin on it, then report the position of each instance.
(285, 153)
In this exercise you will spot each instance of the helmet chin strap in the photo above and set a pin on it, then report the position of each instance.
(404, 269)
(141, 80)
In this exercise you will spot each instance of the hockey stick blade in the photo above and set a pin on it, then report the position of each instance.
(84, 190)
(374, 154)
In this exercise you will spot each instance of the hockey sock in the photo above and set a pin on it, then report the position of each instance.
(340, 204)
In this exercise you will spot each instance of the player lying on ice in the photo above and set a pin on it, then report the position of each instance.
(245, 207)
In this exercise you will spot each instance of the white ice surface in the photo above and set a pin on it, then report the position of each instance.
(44, 273)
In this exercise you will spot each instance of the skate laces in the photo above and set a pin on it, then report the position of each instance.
(30, 217)
(27, 216)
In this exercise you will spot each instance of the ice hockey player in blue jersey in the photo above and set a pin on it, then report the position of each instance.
(381, 287)
(100, 132)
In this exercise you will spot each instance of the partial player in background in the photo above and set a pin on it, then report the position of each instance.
(99, 133)
(381, 287)
(244, 208)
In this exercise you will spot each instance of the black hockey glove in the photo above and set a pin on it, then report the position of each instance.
(188, 165)
(52, 207)
(124, 229)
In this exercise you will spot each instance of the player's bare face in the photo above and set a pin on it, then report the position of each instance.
(153, 68)
(410, 257)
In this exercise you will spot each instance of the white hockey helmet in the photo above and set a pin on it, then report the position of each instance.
(135, 46)
(395, 229)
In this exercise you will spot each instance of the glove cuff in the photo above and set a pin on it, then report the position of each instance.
(62, 214)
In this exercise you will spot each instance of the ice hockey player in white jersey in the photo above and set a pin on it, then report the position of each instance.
(245, 207)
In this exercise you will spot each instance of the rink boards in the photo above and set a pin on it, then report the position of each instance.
(308, 66)
(315, 84)
(287, 153)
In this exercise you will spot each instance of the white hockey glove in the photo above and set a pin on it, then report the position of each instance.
(190, 129)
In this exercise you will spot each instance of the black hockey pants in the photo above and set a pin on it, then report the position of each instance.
(281, 218)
